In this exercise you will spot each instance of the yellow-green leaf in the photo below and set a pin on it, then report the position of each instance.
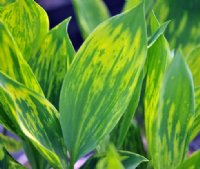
(90, 13)
(196, 123)
(52, 61)
(36, 118)
(10, 144)
(173, 125)
(192, 162)
(158, 58)
(193, 61)
(101, 81)
(27, 22)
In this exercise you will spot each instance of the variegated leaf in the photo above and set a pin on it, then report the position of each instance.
(196, 123)
(173, 125)
(90, 13)
(36, 117)
(101, 81)
(52, 61)
(158, 59)
(192, 162)
(27, 22)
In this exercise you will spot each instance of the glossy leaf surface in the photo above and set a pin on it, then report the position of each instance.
(103, 75)
(36, 117)
(192, 162)
(27, 22)
(90, 13)
(175, 116)
(52, 61)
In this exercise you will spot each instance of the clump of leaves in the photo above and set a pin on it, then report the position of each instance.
(64, 104)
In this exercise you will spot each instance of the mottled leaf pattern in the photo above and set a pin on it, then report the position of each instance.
(52, 61)
(27, 22)
(157, 61)
(175, 116)
(192, 162)
(89, 13)
(101, 80)
(36, 117)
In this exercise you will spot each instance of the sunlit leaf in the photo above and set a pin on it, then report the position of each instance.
(52, 61)
(158, 59)
(175, 116)
(89, 13)
(184, 29)
(36, 117)
(10, 144)
(192, 162)
(101, 81)
(27, 22)
(7, 162)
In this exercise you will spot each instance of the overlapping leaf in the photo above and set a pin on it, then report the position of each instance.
(36, 117)
(175, 116)
(52, 61)
(89, 13)
(192, 162)
(27, 22)
(101, 81)
(158, 59)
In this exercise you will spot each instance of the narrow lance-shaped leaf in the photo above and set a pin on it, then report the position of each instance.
(196, 123)
(90, 13)
(175, 116)
(101, 81)
(158, 58)
(27, 22)
(52, 61)
(192, 162)
(36, 117)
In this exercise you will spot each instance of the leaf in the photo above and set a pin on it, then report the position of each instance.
(193, 61)
(103, 75)
(196, 123)
(52, 61)
(192, 162)
(36, 117)
(158, 59)
(175, 116)
(89, 14)
(131, 160)
(184, 29)
(10, 144)
(27, 22)
(7, 162)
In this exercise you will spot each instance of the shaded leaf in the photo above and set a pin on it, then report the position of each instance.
(103, 75)
(27, 22)
(10, 144)
(192, 162)
(175, 116)
(52, 61)
(36, 117)
(89, 13)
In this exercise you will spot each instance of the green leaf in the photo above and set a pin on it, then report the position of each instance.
(175, 115)
(196, 123)
(184, 29)
(36, 118)
(10, 144)
(103, 75)
(89, 13)
(193, 61)
(192, 162)
(7, 162)
(131, 160)
(27, 22)
(158, 59)
(52, 61)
